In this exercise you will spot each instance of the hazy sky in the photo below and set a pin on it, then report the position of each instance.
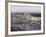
(15, 8)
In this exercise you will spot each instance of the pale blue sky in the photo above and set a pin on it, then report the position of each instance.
(15, 8)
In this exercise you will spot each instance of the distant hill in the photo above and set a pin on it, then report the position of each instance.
(35, 14)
